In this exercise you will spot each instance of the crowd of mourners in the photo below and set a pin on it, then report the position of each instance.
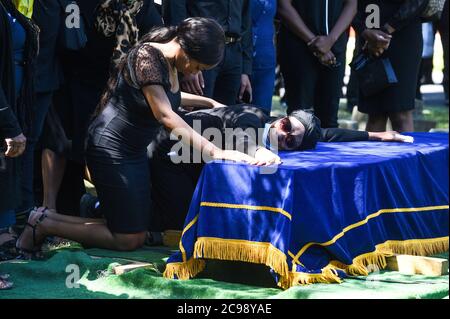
(92, 89)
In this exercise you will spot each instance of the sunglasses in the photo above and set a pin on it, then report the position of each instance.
(289, 139)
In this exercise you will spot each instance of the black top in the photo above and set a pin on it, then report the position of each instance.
(127, 125)
(398, 13)
(314, 14)
(47, 14)
(233, 15)
(15, 111)
(244, 117)
(92, 64)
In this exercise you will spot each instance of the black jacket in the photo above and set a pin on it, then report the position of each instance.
(243, 117)
(48, 15)
(15, 111)
(314, 13)
(233, 15)
(92, 64)
(398, 13)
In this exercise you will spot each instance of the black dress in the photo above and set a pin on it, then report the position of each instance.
(405, 53)
(118, 139)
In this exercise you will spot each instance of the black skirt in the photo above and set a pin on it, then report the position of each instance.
(405, 53)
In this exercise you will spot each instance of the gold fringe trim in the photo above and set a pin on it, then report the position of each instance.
(329, 275)
(242, 250)
(184, 271)
(417, 247)
(265, 253)
(370, 262)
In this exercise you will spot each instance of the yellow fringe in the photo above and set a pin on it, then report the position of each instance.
(265, 253)
(417, 247)
(364, 264)
(328, 275)
(241, 250)
(184, 271)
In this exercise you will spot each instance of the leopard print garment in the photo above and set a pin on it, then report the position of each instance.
(118, 18)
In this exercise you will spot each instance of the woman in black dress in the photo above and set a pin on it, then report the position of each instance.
(399, 38)
(140, 97)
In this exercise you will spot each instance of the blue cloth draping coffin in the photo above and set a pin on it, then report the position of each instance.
(321, 211)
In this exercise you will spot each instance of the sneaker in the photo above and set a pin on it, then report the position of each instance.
(90, 206)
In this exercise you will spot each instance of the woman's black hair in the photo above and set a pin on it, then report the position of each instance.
(202, 39)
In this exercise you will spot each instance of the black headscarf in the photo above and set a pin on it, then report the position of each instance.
(313, 130)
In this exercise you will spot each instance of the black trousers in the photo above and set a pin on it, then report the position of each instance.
(309, 84)
(443, 30)
(224, 81)
(172, 188)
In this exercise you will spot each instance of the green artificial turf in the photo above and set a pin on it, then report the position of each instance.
(51, 278)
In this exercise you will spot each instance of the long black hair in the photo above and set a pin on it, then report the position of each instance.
(202, 39)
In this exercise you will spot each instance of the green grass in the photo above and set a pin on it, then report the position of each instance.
(438, 113)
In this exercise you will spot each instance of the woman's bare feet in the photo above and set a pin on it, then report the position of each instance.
(30, 242)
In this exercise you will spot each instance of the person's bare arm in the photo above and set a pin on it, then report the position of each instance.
(192, 100)
(290, 17)
(323, 44)
(193, 83)
(162, 110)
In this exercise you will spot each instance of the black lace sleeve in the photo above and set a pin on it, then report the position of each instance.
(147, 66)
(408, 11)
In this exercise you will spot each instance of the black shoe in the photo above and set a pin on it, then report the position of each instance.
(90, 206)
(154, 239)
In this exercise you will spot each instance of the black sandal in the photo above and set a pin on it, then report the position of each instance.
(31, 253)
(8, 249)
(5, 283)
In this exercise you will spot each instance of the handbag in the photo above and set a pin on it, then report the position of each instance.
(71, 37)
(433, 11)
(373, 74)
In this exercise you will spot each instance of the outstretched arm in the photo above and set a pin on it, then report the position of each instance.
(344, 135)
(161, 108)
(192, 100)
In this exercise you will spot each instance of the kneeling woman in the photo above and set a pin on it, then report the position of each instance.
(141, 96)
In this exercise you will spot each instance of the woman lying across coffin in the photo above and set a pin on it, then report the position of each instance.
(140, 98)
(174, 176)
(299, 131)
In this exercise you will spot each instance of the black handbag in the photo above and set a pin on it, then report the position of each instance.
(373, 74)
(71, 37)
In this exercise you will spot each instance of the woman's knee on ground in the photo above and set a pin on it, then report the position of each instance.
(129, 242)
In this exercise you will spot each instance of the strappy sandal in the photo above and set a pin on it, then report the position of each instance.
(31, 253)
(5, 283)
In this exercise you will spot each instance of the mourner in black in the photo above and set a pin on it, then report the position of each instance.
(299, 131)
(230, 79)
(398, 39)
(312, 49)
(48, 15)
